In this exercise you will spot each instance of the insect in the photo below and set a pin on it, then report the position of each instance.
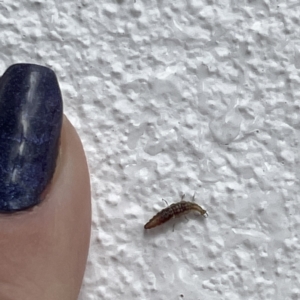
(173, 211)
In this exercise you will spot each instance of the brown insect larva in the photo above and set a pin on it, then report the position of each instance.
(173, 211)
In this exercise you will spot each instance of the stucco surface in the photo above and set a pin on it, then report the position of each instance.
(173, 97)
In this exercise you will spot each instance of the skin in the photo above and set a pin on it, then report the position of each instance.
(43, 250)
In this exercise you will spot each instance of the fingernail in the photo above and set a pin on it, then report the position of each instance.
(30, 125)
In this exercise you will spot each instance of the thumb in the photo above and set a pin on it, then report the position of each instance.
(45, 214)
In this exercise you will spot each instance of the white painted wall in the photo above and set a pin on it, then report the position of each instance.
(174, 97)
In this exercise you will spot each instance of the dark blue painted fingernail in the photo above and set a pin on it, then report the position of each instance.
(30, 125)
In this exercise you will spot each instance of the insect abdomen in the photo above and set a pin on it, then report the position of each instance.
(160, 218)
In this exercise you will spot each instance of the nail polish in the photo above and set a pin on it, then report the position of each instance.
(30, 124)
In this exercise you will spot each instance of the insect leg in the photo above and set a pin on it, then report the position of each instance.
(182, 197)
(165, 201)
(193, 199)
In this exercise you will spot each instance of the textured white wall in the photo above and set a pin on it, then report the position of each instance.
(174, 97)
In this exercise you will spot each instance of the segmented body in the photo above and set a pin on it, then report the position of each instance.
(174, 210)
